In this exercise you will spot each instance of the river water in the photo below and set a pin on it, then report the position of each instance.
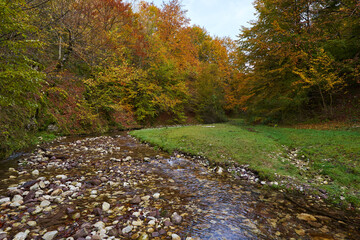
(144, 188)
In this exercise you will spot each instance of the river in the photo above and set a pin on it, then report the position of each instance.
(113, 187)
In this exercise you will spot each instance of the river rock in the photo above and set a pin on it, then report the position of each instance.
(83, 232)
(45, 203)
(50, 235)
(35, 173)
(3, 235)
(61, 177)
(21, 235)
(175, 237)
(35, 187)
(156, 195)
(144, 236)
(57, 192)
(31, 223)
(145, 198)
(4, 200)
(176, 218)
(113, 232)
(99, 225)
(17, 199)
(105, 206)
(306, 217)
(28, 184)
(137, 223)
(136, 200)
(127, 229)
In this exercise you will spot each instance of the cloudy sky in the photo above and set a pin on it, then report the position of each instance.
(219, 17)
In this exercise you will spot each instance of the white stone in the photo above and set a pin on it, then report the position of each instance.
(21, 235)
(156, 195)
(31, 223)
(50, 235)
(99, 225)
(42, 184)
(17, 199)
(35, 172)
(4, 200)
(146, 198)
(175, 237)
(61, 177)
(137, 223)
(34, 187)
(105, 206)
(127, 229)
(44, 203)
(151, 222)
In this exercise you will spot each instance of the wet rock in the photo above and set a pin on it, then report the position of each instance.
(31, 223)
(83, 232)
(63, 177)
(143, 236)
(99, 225)
(57, 192)
(28, 184)
(50, 235)
(300, 232)
(127, 229)
(176, 218)
(35, 173)
(29, 196)
(76, 216)
(135, 200)
(156, 195)
(306, 217)
(4, 200)
(137, 223)
(3, 235)
(155, 234)
(105, 206)
(45, 203)
(175, 237)
(167, 223)
(145, 198)
(21, 235)
(162, 232)
(97, 211)
(42, 184)
(35, 187)
(113, 232)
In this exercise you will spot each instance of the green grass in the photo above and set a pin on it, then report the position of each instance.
(328, 155)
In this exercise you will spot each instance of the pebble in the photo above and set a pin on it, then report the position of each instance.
(99, 225)
(50, 235)
(4, 200)
(156, 195)
(175, 237)
(31, 223)
(137, 223)
(105, 206)
(35, 172)
(44, 203)
(176, 218)
(127, 229)
(21, 235)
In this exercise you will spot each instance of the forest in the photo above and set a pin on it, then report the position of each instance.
(87, 66)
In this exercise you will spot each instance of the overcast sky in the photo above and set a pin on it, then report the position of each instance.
(219, 17)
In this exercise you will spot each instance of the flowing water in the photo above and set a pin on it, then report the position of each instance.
(116, 169)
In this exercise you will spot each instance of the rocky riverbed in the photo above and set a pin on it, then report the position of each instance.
(113, 187)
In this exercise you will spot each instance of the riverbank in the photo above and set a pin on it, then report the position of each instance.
(323, 163)
(113, 187)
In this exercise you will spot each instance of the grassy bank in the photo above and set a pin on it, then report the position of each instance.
(309, 159)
